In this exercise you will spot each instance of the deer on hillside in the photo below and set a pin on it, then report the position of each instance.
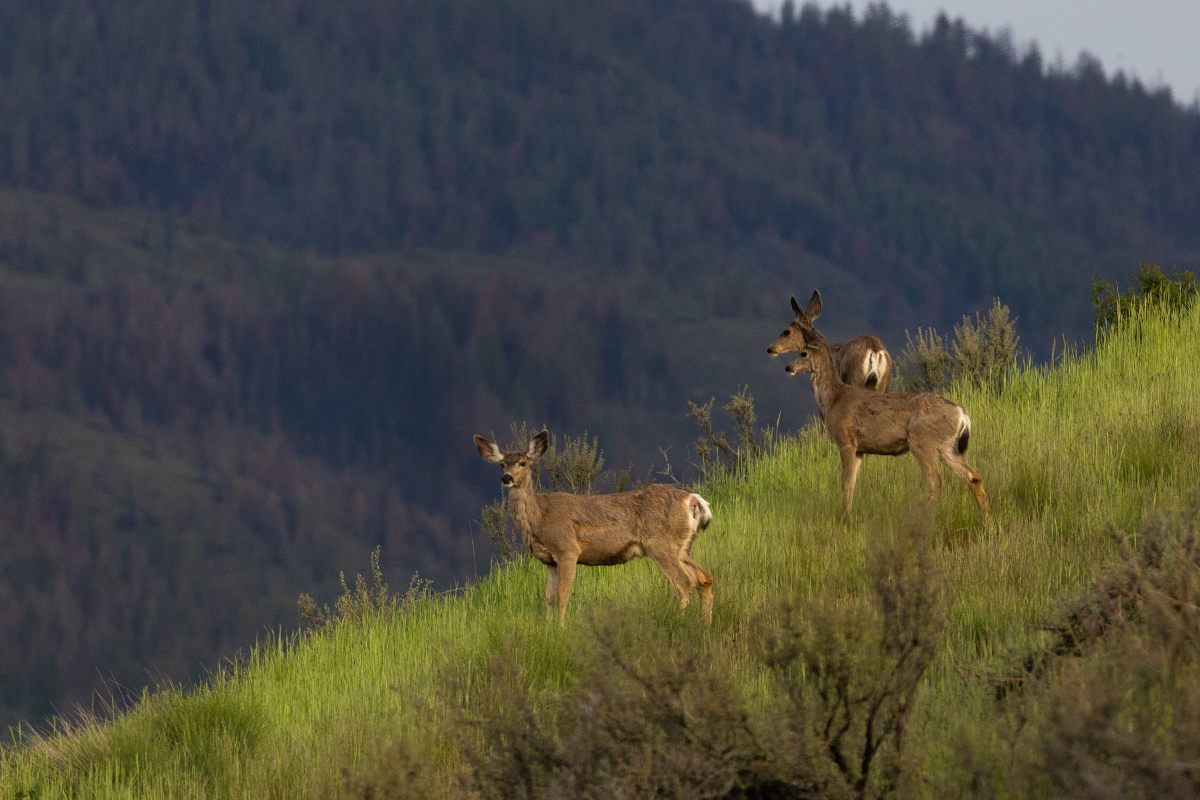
(862, 361)
(562, 530)
(861, 421)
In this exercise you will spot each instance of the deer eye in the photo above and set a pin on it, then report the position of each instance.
(521, 463)
(804, 354)
(787, 332)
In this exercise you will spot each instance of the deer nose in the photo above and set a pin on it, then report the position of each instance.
(507, 479)
(789, 369)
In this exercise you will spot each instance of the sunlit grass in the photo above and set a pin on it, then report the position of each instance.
(1066, 453)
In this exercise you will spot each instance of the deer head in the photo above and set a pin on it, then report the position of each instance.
(791, 338)
(804, 340)
(518, 466)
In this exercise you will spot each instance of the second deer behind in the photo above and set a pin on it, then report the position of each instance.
(861, 361)
(860, 421)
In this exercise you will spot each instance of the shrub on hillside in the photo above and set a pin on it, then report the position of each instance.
(981, 351)
(1175, 291)
(850, 671)
(354, 605)
(718, 456)
(647, 717)
(1111, 707)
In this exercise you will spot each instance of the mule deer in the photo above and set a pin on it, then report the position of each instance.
(862, 421)
(862, 361)
(562, 529)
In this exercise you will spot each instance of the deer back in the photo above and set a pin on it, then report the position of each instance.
(887, 424)
(611, 528)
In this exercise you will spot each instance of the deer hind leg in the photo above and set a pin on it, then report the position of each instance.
(566, 576)
(551, 590)
(851, 461)
(703, 581)
(959, 466)
(671, 561)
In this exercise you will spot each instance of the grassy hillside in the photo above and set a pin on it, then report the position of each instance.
(370, 706)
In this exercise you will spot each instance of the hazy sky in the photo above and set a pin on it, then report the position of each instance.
(1157, 41)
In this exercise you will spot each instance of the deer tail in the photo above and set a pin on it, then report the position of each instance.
(868, 368)
(875, 366)
(964, 433)
(699, 511)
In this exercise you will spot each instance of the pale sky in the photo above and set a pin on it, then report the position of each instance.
(1157, 41)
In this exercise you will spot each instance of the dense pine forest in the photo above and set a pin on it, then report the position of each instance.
(264, 269)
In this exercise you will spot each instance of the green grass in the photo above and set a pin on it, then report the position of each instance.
(1099, 440)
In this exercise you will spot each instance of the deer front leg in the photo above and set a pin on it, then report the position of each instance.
(851, 461)
(551, 589)
(566, 576)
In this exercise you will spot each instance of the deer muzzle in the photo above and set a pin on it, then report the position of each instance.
(506, 480)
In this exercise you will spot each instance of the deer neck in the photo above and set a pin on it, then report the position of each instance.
(827, 383)
(527, 509)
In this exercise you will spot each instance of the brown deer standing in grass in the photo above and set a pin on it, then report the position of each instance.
(862, 361)
(861, 421)
(562, 529)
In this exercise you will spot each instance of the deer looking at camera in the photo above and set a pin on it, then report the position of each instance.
(562, 529)
(861, 421)
(862, 361)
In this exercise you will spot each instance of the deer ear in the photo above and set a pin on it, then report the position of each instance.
(488, 450)
(814, 306)
(796, 307)
(538, 445)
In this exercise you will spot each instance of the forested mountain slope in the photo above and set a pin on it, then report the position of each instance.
(281, 259)
(673, 136)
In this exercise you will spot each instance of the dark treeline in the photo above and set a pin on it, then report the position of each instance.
(630, 134)
(264, 268)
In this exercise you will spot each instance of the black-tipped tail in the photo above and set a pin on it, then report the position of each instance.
(964, 435)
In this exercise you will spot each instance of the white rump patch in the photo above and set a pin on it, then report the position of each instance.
(700, 511)
(875, 363)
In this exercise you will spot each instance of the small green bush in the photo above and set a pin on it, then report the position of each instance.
(1176, 291)
(717, 456)
(982, 351)
(354, 605)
